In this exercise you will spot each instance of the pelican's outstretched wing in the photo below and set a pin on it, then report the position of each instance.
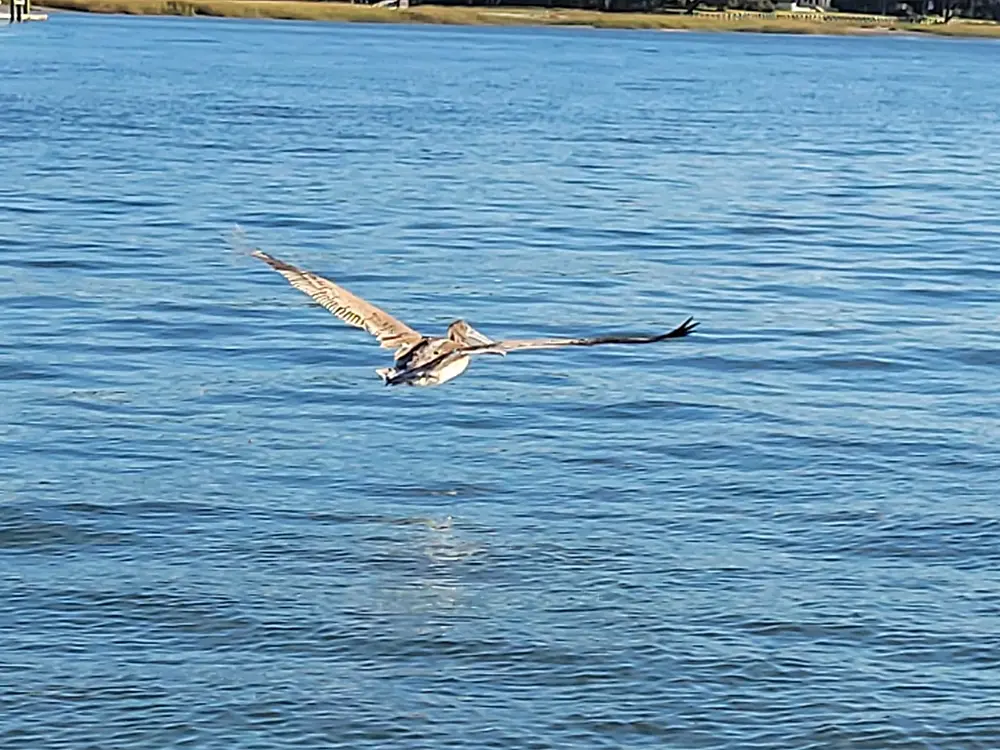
(512, 345)
(391, 333)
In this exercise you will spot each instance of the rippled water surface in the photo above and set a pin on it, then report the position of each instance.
(219, 530)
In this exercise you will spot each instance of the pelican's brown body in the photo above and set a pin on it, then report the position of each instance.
(429, 360)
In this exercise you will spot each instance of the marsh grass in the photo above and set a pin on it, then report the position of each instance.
(306, 10)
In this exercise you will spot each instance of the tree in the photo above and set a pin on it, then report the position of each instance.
(949, 8)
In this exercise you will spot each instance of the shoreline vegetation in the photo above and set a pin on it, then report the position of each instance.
(314, 10)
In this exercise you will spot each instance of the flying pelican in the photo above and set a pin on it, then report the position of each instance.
(429, 360)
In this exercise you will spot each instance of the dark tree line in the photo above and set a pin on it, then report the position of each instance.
(986, 9)
(947, 9)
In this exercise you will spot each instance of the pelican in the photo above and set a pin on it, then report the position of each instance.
(429, 360)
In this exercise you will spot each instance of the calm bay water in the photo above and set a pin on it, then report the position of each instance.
(219, 530)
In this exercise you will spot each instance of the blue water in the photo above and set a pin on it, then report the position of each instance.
(219, 530)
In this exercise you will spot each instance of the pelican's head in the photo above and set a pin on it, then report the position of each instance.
(457, 331)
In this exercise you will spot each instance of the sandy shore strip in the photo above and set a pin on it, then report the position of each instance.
(304, 10)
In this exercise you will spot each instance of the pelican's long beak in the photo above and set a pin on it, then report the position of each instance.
(475, 337)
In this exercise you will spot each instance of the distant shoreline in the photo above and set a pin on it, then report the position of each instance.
(308, 10)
